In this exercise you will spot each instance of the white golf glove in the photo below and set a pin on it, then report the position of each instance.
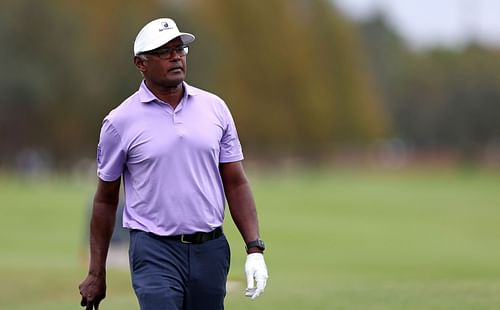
(256, 271)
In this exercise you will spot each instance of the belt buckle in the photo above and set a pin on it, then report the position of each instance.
(185, 241)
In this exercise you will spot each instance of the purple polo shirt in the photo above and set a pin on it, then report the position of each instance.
(169, 160)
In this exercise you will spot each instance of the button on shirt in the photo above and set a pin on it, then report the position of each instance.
(169, 160)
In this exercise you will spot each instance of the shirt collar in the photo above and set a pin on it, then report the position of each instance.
(145, 95)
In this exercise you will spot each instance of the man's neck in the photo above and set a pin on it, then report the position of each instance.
(171, 95)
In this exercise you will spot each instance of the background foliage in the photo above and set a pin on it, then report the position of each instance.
(301, 79)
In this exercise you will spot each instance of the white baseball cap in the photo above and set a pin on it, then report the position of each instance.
(157, 33)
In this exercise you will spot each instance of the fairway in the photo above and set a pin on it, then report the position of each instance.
(336, 239)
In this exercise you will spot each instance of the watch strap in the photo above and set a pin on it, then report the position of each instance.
(256, 244)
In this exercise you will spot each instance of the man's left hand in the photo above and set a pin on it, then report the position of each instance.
(256, 271)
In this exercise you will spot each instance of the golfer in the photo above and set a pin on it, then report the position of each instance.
(177, 150)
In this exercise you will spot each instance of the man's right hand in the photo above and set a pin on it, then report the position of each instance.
(93, 291)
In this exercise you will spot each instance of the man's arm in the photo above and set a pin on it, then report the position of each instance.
(242, 207)
(93, 288)
(240, 200)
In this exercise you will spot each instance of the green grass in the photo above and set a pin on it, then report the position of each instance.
(336, 240)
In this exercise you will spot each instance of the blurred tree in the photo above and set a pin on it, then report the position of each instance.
(437, 99)
(291, 71)
(452, 100)
(36, 67)
(69, 64)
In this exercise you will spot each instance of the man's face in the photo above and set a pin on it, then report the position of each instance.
(166, 65)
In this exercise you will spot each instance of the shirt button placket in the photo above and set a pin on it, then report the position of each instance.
(177, 124)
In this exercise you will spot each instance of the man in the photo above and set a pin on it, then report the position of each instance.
(177, 150)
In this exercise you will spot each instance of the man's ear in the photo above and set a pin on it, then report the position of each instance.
(140, 63)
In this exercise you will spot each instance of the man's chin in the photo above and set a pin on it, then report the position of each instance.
(174, 82)
(176, 77)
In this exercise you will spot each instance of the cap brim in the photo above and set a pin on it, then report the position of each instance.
(186, 37)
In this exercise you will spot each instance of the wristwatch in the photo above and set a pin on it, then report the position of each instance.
(259, 244)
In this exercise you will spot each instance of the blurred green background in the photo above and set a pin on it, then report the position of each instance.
(375, 165)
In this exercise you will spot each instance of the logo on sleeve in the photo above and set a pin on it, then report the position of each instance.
(99, 155)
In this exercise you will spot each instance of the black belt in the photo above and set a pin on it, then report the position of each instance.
(198, 237)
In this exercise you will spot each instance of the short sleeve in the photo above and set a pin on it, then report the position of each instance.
(230, 149)
(110, 153)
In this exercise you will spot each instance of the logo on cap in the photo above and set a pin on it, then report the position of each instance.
(165, 26)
